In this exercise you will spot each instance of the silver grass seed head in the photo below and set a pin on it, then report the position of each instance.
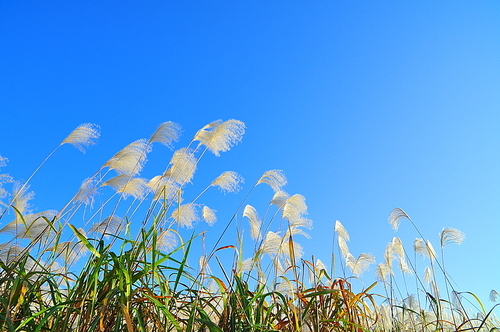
(274, 178)
(83, 136)
(451, 235)
(208, 215)
(166, 134)
(493, 296)
(294, 209)
(110, 225)
(87, 192)
(424, 248)
(245, 266)
(167, 240)
(164, 188)
(185, 215)
(395, 217)
(383, 272)
(131, 159)
(220, 136)
(182, 166)
(341, 231)
(279, 198)
(136, 187)
(228, 182)
(255, 223)
(21, 198)
(361, 264)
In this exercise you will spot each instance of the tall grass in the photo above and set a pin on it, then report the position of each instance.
(89, 267)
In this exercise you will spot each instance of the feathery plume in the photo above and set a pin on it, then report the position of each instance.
(279, 198)
(32, 226)
(4, 178)
(451, 235)
(271, 244)
(204, 267)
(110, 225)
(83, 136)
(361, 264)
(344, 249)
(183, 166)
(424, 248)
(185, 215)
(220, 136)
(70, 251)
(255, 223)
(493, 295)
(163, 187)
(21, 198)
(428, 275)
(244, 266)
(166, 134)
(274, 178)
(295, 207)
(317, 271)
(395, 217)
(208, 215)
(131, 159)
(341, 231)
(167, 240)
(383, 272)
(10, 253)
(87, 191)
(135, 187)
(228, 182)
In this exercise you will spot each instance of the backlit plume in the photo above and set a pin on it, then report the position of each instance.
(131, 159)
(220, 136)
(166, 134)
(274, 178)
(83, 136)
(228, 182)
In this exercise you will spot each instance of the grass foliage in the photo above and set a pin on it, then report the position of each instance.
(88, 267)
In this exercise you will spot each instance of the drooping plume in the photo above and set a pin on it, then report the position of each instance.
(83, 136)
(110, 225)
(88, 190)
(359, 265)
(163, 188)
(395, 217)
(166, 134)
(424, 248)
(131, 159)
(167, 240)
(274, 178)
(279, 198)
(228, 182)
(451, 235)
(135, 187)
(182, 166)
(255, 223)
(220, 136)
(341, 231)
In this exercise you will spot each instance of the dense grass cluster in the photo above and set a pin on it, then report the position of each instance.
(59, 273)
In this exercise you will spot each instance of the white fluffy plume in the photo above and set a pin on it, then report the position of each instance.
(220, 136)
(83, 136)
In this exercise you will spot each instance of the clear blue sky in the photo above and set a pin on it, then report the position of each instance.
(366, 105)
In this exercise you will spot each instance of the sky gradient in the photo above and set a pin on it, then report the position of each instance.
(366, 106)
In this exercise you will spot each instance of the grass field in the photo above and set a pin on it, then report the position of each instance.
(58, 273)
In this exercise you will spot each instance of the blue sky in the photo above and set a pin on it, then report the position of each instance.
(366, 106)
